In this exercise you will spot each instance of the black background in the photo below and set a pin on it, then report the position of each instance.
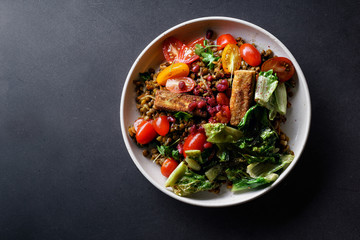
(64, 169)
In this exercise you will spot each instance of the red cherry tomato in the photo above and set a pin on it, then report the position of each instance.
(224, 40)
(180, 84)
(145, 133)
(171, 49)
(282, 66)
(161, 125)
(250, 54)
(137, 123)
(222, 99)
(168, 167)
(194, 142)
(187, 52)
(224, 115)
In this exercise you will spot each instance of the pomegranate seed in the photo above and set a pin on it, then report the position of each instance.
(209, 34)
(208, 145)
(211, 110)
(181, 85)
(192, 106)
(193, 129)
(212, 102)
(221, 87)
(201, 129)
(171, 119)
(201, 104)
(224, 82)
(180, 148)
(209, 78)
(195, 68)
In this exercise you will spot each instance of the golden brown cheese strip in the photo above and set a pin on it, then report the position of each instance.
(176, 102)
(242, 94)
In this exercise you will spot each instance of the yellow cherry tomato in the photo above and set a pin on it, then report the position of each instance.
(230, 58)
(173, 71)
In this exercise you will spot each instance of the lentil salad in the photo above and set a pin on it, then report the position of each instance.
(184, 117)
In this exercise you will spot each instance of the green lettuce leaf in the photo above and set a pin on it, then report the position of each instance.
(271, 94)
(220, 133)
(192, 182)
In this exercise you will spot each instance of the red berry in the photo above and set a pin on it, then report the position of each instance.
(208, 145)
(195, 68)
(209, 78)
(192, 106)
(201, 104)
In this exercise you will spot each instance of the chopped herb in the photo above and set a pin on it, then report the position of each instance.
(167, 151)
(145, 76)
(183, 115)
(206, 53)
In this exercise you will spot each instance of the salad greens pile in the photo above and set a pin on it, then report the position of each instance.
(247, 156)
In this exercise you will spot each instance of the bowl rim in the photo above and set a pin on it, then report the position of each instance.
(195, 201)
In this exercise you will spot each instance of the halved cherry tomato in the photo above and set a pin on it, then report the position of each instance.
(173, 71)
(161, 125)
(187, 52)
(282, 66)
(230, 58)
(222, 99)
(168, 167)
(224, 40)
(171, 49)
(145, 133)
(224, 115)
(194, 142)
(180, 84)
(250, 54)
(138, 123)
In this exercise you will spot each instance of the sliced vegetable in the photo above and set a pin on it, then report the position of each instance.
(191, 182)
(168, 166)
(171, 49)
(145, 133)
(250, 54)
(224, 40)
(194, 142)
(180, 84)
(187, 53)
(161, 125)
(173, 71)
(220, 133)
(193, 158)
(138, 123)
(264, 169)
(213, 172)
(176, 175)
(254, 183)
(230, 58)
(270, 94)
(282, 66)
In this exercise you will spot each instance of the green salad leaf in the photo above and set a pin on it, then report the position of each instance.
(183, 115)
(220, 133)
(192, 182)
(271, 94)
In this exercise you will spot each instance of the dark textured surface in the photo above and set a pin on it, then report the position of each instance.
(64, 169)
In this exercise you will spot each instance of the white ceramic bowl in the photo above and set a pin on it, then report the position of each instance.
(298, 116)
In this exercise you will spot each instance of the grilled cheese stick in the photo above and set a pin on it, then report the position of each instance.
(242, 94)
(176, 102)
